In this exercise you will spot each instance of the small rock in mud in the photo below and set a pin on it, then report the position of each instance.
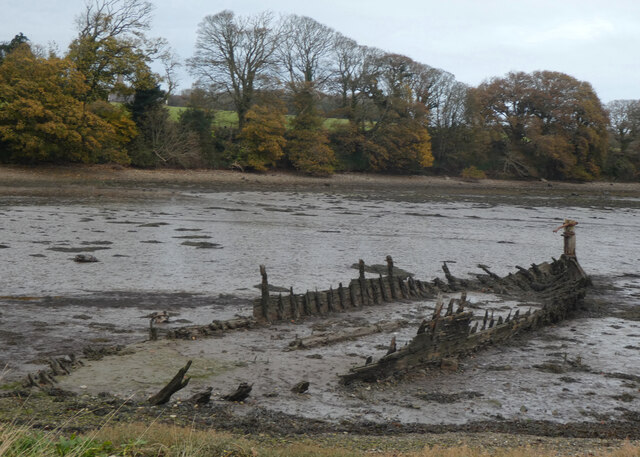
(85, 258)
(300, 387)
(4, 246)
(38, 255)
(314, 356)
(81, 316)
(188, 230)
(153, 224)
(202, 244)
(568, 379)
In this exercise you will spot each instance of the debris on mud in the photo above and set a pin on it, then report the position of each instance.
(202, 244)
(85, 258)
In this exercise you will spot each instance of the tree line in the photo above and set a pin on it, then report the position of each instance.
(305, 97)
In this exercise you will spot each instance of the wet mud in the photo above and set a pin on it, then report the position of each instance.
(195, 255)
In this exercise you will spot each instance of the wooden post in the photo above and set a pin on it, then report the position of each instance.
(364, 293)
(392, 284)
(343, 301)
(569, 236)
(306, 304)
(280, 307)
(374, 291)
(352, 295)
(330, 306)
(293, 303)
(383, 293)
(264, 300)
(318, 302)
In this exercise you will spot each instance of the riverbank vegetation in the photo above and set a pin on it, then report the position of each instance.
(291, 93)
(166, 440)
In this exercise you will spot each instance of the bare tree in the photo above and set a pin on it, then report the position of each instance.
(111, 45)
(113, 18)
(170, 64)
(235, 55)
(350, 71)
(306, 50)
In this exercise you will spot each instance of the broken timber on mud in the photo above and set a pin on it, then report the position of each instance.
(558, 285)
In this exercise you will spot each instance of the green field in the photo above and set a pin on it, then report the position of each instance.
(230, 118)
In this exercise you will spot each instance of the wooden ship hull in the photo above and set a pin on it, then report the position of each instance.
(557, 286)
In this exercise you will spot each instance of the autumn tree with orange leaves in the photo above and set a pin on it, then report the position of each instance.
(43, 120)
(545, 124)
(262, 136)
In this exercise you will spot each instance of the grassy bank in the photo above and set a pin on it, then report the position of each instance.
(168, 441)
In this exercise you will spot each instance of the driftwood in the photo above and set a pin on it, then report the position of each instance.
(300, 387)
(201, 398)
(178, 382)
(240, 394)
(326, 339)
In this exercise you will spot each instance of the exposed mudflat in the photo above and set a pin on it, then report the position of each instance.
(194, 249)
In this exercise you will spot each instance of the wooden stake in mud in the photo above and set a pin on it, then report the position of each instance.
(392, 284)
(264, 300)
(569, 237)
(363, 285)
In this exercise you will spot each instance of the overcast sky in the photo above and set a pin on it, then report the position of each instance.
(593, 40)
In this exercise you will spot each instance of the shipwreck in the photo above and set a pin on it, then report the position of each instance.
(453, 331)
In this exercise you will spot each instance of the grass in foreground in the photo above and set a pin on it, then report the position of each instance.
(170, 441)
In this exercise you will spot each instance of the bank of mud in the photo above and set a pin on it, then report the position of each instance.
(107, 182)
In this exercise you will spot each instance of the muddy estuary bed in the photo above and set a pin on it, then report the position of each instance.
(196, 255)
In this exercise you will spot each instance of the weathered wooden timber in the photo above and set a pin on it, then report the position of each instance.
(558, 286)
(360, 292)
(178, 382)
(216, 327)
(325, 339)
